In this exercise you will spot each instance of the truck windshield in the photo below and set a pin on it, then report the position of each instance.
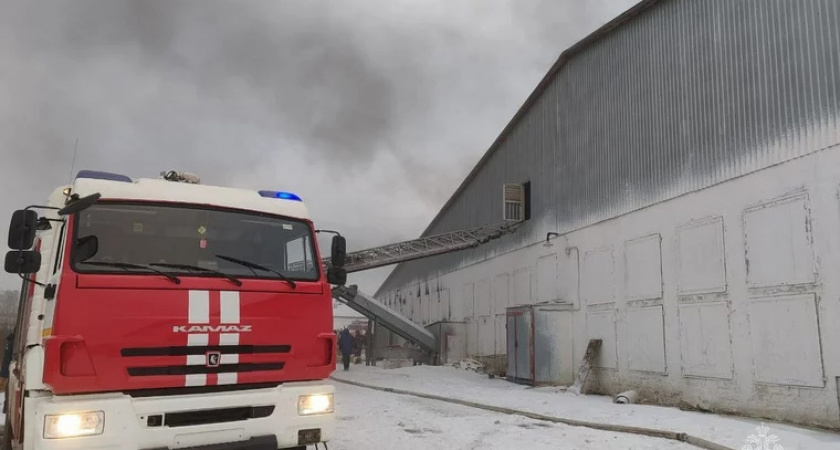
(173, 235)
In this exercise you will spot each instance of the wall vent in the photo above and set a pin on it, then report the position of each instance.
(514, 202)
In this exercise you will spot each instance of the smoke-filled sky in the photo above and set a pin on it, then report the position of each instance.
(372, 111)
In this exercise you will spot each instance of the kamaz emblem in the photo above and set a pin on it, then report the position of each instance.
(211, 328)
(213, 359)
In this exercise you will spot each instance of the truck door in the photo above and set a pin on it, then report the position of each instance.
(14, 392)
(14, 400)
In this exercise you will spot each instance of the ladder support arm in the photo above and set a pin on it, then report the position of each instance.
(390, 319)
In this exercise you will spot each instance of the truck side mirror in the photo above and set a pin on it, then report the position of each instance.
(337, 275)
(23, 262)
(79, 205)
(339, 251)
(22, 229)
(85, 248)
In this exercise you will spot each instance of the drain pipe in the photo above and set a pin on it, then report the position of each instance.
(626, 397)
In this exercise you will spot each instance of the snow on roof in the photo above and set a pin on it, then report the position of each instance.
(151, 189)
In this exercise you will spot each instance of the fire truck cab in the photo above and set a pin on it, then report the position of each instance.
(160, 313)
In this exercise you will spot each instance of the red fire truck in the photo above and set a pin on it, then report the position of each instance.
(160, 313)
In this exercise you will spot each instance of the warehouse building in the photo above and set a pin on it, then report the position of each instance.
(680, 172)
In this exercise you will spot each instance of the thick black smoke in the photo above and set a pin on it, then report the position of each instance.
(284, 68)
(394, 98)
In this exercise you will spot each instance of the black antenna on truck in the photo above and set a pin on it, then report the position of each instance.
(72, 167)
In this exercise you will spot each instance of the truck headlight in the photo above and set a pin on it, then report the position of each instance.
(70, 425)
(309, 405)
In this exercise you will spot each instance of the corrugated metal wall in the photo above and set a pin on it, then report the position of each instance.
(683, 96)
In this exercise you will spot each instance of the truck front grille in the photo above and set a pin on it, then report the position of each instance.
(209, 416)
(202, 349)
(193, 390)
(191, 370)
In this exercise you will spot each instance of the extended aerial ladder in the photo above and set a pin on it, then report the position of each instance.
(411, 250)
(425, 247)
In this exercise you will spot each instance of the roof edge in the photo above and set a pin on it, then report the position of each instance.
(543, 84)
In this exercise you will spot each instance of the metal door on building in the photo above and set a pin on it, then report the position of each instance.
(520, 345)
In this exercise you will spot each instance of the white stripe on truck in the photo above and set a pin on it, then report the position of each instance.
(199, 313)
(229, 306)
(197, 340)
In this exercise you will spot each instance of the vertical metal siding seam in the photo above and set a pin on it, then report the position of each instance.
(691, 88)
(800, 128)
(717, 118)
(760, 87)
(671, 114)
(823, 70)
(807, 94)
(645, 142)
(752, 79)
(594, 150)
(823, 67)
(814, 67)
(687, 116)
(691, 119)
(703, 14)
(720, 119)
(658, 89)
(771, 112)
(780, 126)
(834, 37)
(811, 80)
(746, 82)
(804, 97)
(558, 163)
(663, 114)
(790, 88)
(727, 128)
(628, 165)
(833, 11)
(629, 55)
(820, 69)
(667, 113)
(584, 145)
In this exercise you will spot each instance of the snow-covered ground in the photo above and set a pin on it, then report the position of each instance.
(460, 384)
(379, 420)
(375, 420)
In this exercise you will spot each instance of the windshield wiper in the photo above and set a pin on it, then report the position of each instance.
(126, 266)
(199, 269)
(253, 266)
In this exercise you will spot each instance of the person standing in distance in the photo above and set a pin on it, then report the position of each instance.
(346, 344)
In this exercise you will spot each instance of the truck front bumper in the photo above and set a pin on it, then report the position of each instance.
(258, 419)
(257, 443)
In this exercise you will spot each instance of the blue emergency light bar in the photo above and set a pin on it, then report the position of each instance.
(98, 175)
(280, 195)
